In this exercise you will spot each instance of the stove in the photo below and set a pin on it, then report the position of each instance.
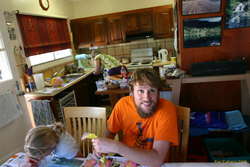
(138, 65)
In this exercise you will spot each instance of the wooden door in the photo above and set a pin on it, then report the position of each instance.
(131, 23)
(85, 34)
(163, 22)
(145, 21)
(115, 30)
(99, 32)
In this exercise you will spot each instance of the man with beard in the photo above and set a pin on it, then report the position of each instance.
(148, 123)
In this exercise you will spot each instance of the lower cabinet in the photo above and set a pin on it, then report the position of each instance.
(44, 108)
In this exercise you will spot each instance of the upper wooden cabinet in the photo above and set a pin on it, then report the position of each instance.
(115, 30)
(43, 34)
(163, 22)
(89, 33)
(100, 32)
(138, 22)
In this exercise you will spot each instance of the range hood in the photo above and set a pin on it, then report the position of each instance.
(138, 36)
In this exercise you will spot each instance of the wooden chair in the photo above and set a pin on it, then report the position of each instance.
(179, 153)
(85, 119)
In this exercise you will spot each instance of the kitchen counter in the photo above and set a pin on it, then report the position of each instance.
(51, 91)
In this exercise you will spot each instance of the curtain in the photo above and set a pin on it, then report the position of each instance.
(9, 108)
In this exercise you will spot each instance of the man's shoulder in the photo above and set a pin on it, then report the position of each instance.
(166, 102)
(125, 100)
(166, 105)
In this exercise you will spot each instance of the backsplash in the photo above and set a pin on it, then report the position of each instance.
(121, 51)
(124, 50)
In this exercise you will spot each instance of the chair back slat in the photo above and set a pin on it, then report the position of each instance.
(85, 119)
(179, 153)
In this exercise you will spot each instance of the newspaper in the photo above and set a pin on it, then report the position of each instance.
(17, 159)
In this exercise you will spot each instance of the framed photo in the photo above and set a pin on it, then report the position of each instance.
(190, 7)
(202, 32)
(237, 14)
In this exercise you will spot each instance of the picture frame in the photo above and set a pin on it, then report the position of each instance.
(202, 32)
(193, 7)
(237, 14)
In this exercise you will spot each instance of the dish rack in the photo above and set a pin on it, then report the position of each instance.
(68, 100)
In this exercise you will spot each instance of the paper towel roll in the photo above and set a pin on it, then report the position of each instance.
(39, 81)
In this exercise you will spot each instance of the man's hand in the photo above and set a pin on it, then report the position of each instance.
(105, 145)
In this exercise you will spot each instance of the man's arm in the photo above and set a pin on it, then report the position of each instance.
(109, 134)
(152, 158)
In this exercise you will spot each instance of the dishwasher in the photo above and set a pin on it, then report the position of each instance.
(67, 100)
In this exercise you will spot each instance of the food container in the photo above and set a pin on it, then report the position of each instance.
(39, 81)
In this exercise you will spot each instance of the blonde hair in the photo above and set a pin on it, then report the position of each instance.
(42, 140)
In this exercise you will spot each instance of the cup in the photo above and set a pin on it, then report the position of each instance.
(123, 83)
(173, 60)
(101, 85)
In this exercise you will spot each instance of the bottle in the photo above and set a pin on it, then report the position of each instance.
(124, 72)
(105, 75)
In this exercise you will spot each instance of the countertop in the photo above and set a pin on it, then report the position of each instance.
(50, 91)
(54, 91)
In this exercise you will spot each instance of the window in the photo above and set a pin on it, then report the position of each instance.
(51, 56)
(5, 71)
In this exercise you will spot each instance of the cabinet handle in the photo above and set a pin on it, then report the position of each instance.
(164, 13)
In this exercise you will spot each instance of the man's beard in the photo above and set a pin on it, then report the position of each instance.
(146, 114)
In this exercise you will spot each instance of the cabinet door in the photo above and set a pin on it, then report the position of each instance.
(30, 35)
(99, 32)
(85, 34)
(163, 22)
(115, 29)
(131, 23)
(145, 21)
(138, 22)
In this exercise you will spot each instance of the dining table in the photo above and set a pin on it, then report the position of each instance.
(18, 158)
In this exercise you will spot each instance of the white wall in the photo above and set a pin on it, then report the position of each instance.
(58, 8)
(86, 8)
(12, 135)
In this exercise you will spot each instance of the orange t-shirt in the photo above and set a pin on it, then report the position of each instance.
(142, 132)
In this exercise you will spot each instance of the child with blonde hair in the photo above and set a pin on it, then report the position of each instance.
(44, 142)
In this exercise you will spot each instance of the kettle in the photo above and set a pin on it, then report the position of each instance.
(163, 55)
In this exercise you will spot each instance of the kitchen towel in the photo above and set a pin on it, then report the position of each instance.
(42, 112)
(9, 108)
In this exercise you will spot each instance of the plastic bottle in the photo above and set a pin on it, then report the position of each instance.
(105, 75)
(124, 72)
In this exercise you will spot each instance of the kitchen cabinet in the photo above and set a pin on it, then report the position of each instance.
(80, 92)
(115, 30)
(81, 33)
(43, 34)
(112, 28)
(89, 33)
(138, 22)
(99, 32)
(163, 22)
